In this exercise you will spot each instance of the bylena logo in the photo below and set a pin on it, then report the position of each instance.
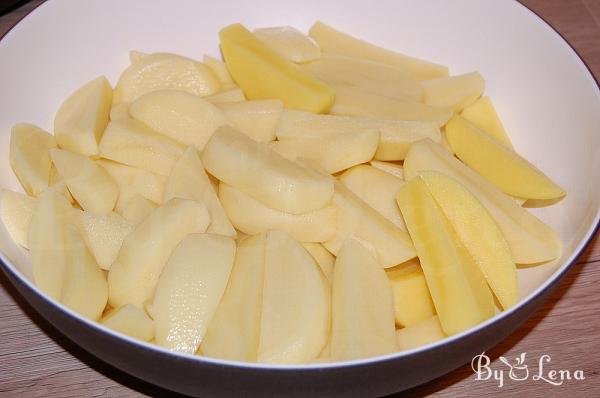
(518, 370)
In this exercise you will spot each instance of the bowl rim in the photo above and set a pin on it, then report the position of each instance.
(553, 279)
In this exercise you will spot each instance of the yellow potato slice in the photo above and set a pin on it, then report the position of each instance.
(295, 304)
(133, 276)
(458, 288)
(391, 168)
(234, 331)
(251, 217)
(501, 166)
(92, 187)
(257, 119)
(226, 97)
(453, 92)
(324, 259)
(425, 332)
(412, 301)
(221, 71)
(189, 290)
(183, 117)
(260, 172)
(362, 308)
(530, 240)
(290, 43)
(131, 321)
(119, 111)
(137, 208)
(334, 41)
(29, 156)
(263, 74)
(82, 118)
(161, 71)
(483, 115)
(188, 180)
(16, 210)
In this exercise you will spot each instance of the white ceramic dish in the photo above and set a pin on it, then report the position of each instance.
(547, 98)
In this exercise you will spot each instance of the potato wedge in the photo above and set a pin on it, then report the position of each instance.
(425, 332)
(131, 321)
(220, 70)
(257, 119)
(324, 259)
(453, 92)
(29, 156)
(290, 43)
(16, 210)
(483, 115)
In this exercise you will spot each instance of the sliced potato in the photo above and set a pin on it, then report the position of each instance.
(135, 144)
(234, 330)
(226, 97)
(16, 210)
(362, 308)
(161, 71)
(189, 290)
(454, 92)
(425, 332)
(290, 43)
(324, 259)
(260, 172)
(188, 180)
(133, 276)
(295, 305)
(29, 156)
(335, 41)
(257, 119)
(391, 168)
(483, 115)
(251, 217)
(220, 70)
(131, 321)
(183, 117)
(136, 209)
(82, 118)
(92, 187)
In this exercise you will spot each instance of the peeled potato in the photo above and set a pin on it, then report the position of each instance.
(16, 210)
(131, 321)
(29, 156)
(226, 97)
(483, 115)
(82, 118)
(251, 217)
(258, 171)
(425, 332)
(189, 290)
(92, 187)
(391, 168)
(324, 259)
(161, 71)
(220, 70)
(454, 92)
(183, 117)
(290, 43)
(137, 208)
(257, 119)
(145, 251)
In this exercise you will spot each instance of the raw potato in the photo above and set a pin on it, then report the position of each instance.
(356, 218)
(131, 321)
(454, 92)
(295, 305)
(135, 56)
(251, 217)
(257, 119)
(189, 290)
(458, 288)
(227, 97)
(133, 276)
(412, 301)
(234, 331)
(290, 43)
(135, 144)
(84, 290)
(362, 309)
(333, 152)
(324, 259)
(92, 187)
(376, 188)
(483, 115)
(183, 117)
(137, 209)
(29, 156)
(501, 166)
(133, 181)
(334, 41)
(262, 73)
(161, 71)
(395, 136)
(220, 70)
(16, 210)
(425, 332)
(258, 171)
(478, 232)
(82, 118)
(46, 241)
(352, 101)
(370, 76)
(104, 235)
(58, 183)
(119, 111)
(188, 180)
(391, 168)
(530, 240)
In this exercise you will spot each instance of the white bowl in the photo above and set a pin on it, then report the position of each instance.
(544, 93)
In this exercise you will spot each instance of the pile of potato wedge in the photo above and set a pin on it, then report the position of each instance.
(310, 198)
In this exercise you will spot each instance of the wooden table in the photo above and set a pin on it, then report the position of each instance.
(36, 360)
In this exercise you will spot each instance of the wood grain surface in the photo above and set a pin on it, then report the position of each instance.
(37, 361)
